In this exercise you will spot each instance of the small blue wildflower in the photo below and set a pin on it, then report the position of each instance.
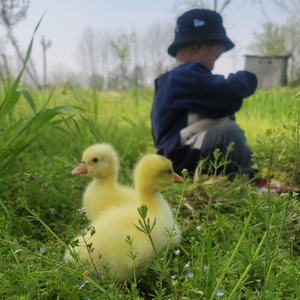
(88, 298)
(174, 276)
(64, 205)
(201, 293)
(218, 293)
(40, 176)
(177, 252)
(82, 284)
(62, 261)
(198, 227)
(43, 250)
(189, 275)
(217, 279)
(187, 266)
(205, 268)
(50, 163)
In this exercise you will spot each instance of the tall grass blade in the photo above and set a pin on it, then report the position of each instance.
(93, 130)
(95, 103)
(30, 101)
(48, 99)
(6, 88)
(13, 96)
(5, 209)
(19, 136)
(296, 286)
(221, 227)
(210, 271)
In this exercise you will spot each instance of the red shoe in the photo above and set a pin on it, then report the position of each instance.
(275, 186)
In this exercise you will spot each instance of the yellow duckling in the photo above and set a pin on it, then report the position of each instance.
(101, 162)
(153, 173)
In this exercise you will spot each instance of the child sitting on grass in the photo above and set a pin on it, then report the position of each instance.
(193, 109)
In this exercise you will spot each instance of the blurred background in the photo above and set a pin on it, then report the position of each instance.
(121, 44)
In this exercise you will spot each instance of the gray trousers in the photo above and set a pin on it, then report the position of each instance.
(221, 136)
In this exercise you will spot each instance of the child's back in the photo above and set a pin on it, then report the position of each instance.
(192, 107)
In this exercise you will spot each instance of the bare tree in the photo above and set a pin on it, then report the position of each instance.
(292, 44)
(122, 50)
(96, 55)
(2, 45)
(130, 60)
(11, 13)
(87, 52)
(106, 54)
(159, 37)
(215, 5)
(60, 74)
(46, 46)
(292, 33)
(291, 7)
(4, 67)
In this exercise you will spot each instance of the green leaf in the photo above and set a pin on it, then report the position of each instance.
(93, 230)
(143, 209)
(140, 229)
(74, 244)
(153, 225)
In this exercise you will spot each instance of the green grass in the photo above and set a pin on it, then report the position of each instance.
(249, 241)
(265, 109)
(222, 244)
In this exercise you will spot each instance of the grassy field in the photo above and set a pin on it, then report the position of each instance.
(248, 245)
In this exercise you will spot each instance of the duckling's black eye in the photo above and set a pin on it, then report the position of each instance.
(169, 171)
(95, 160)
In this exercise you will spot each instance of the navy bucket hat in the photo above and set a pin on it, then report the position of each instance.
(199, 25)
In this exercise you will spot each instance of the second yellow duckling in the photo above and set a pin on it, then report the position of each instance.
(153, 173)
(101, 162)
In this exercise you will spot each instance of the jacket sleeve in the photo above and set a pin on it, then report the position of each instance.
(212, 95)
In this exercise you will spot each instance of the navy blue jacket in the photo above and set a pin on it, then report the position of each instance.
(191, 87)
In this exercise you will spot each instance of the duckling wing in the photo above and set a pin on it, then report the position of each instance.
(98, 200)
(109, 240)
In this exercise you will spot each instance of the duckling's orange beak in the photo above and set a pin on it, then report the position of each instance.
(177, 178)
(81, 169)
